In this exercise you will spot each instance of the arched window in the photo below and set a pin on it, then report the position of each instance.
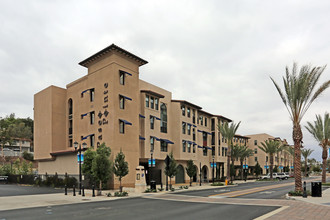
(163, 118)
(70, 106)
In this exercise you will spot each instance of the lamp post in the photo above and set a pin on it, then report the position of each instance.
(213, 169)
(75, 144)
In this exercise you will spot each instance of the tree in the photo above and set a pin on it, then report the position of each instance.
(101, 166)
(86, 168)
(228, 132)
(172, 169)
(321, 132)
(297, 99)
(191, 170)
(244, 153)
(306, 153)
(257, 169)
(271, 147)
(120, 167)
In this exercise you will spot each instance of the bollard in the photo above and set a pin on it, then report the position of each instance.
(93, 189)
(226, 182)
(74, 190)
(65, 190)
(305, 192)
(83, 190)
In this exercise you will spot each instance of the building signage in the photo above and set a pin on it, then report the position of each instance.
(103, 114)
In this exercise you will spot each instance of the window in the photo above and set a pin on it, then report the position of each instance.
(204, 151)
(183, 127)
(122, 78)
(201, 119)
(147, 101)
(92, 140)
(188, 112)
(266, 158)
(255, 142)
(213, 151)
(183, 109)
(92, 93)
(152, 144)
(163, 118)
(226, 151)
(206, 121)
(213, 138)
(194, 134)
(204, 139)
(255, 150)
(70, 106)
(189, 129)
(121, 127)
(92, 117)
(163, 146)
(183, 146)
(156, 103)
(194, 119)
(152, 102)
(121, 102)
(218, 151)
(255, 159)
(223, 139)
(152, 122)
(70, 127)
(212, 124)
(189, 147)
(70, 142)
(223, 152)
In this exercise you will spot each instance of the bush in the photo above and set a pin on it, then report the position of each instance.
(172, 189)
(27, 156)
(185, 187)
(180, 187)
(121, 194)
(160, 189)
(298, 193)
(217, 184)
(108, 194)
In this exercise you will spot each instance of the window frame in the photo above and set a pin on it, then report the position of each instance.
(121, 127)
(121, 78)
(92, 117)
(121, 102)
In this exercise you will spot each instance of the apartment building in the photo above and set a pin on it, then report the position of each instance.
(281, 160)
(112, 105)
(17, 147)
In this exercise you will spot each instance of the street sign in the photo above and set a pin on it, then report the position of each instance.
(245, 166)
(291, 167)
(82, 158)
(266, 167)
(153, 163)
(213, 165)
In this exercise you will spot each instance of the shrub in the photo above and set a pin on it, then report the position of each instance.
(172, 189)
(121, 194)
(217, 184)
(160, 189)
(185, 187)
(108, 194)
(298, 193)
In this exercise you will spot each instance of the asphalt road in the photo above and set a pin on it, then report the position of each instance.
(273, 193)
(140, 209)
(19, 190)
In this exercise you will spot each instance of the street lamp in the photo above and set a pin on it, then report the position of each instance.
(213, 169)
(75, 144)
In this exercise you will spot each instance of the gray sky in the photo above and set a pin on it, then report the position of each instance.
(217, 54)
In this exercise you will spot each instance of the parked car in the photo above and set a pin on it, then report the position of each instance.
(280, 176)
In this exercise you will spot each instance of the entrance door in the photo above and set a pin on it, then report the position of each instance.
(179, 178)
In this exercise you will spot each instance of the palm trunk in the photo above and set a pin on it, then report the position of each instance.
(228, 161)
(324, 164)
(271, 161)
(305, 174)
(297, 138)
(241, 169)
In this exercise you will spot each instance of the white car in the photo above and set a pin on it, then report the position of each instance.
(281, 176)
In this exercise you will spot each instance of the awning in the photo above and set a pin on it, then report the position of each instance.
(155, 117)
(141, 116)
(194, 126)
(200, 131)
(82, 93)
(126, 72)
(126, 122)
(200, 146)
(84, 138)
(208, 133)
(141, 138)
(167, 141)
(83, 115)
(210, 148)
(157, 139)
(128, 98)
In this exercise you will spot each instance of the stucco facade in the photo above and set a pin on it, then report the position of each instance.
(111, 104)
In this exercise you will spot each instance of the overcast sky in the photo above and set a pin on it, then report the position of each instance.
(216, 54)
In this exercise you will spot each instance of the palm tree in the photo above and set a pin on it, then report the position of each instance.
(290, 150)
(271, 147)
(297, 99)
(244, 153)
(321, 132)
(228, 132)
(236, 152)
(306, 153)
